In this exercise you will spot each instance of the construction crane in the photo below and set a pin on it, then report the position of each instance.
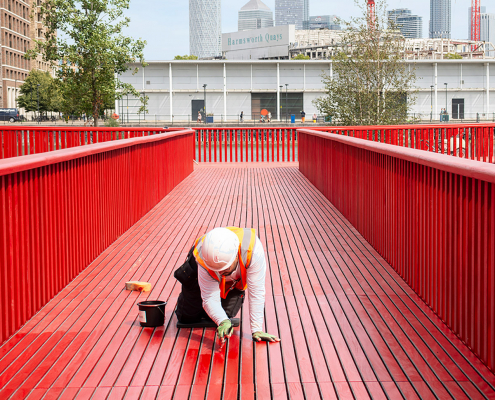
(371, 12)
(475, 20)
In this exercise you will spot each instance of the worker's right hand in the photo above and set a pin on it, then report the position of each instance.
(224, 330)
(259, 336)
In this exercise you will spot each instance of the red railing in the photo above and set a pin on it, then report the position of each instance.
(469, 141)
(60, 210)
(431, 216)
(245, 144)
(18, 141)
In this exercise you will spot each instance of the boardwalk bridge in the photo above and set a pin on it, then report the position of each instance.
(381, 261)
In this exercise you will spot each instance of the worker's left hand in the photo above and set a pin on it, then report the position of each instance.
(259, 336)
(224, 330)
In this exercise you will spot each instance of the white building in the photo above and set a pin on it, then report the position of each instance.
(255, 15)
(205, 28)
(176, 89)
(259, 44)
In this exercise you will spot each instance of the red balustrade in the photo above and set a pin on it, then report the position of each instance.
(469, 141)
(18, 141)
(60, 210)
(432, 217)
(257, 144)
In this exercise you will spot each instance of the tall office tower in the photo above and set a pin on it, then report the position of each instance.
(205, 28)
(488, 31)
(292, 12)
(324, 22)
(411, 26)
(440, 19)
(255, 15)
(482, 11)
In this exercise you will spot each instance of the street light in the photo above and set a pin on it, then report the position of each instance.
(204, 100)
(431, 103)
(38, 95)
(286, 104)
(446, 103)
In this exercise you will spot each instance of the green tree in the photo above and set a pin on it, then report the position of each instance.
(85, 38)
(39, 85)
(186, 57)
(453, 56)
(371, 83)
(300, 57)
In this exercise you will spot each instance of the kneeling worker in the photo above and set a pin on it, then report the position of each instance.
(219, 268)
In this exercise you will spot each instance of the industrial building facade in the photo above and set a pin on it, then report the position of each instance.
(176, 89)
(205, 28)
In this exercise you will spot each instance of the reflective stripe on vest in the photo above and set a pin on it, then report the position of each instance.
(247, 240)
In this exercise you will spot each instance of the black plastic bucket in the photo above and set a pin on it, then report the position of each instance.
(152, 313)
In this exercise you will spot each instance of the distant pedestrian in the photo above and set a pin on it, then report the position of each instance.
(241, 117)
(269, 116)
(303, 116)
(315, 118)
(199, 116)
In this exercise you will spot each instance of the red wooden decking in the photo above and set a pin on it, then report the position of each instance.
(350, 327)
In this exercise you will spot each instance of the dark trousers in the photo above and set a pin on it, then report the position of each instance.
(190, 305)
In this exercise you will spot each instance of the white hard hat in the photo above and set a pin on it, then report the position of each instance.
(220, 249)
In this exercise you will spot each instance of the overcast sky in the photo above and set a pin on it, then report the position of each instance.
(164, 24)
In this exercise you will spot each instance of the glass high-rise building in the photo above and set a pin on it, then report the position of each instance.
(292, 12)
(410, 25)
(440, 19)
(255, 15)
(205, 28)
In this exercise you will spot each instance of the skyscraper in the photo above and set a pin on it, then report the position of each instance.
(255, 15)
(205, 28)
(482, 11)
(411, 26)
(440, 19)
(292, 12)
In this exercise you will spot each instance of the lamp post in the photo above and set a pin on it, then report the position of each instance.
(286, 104)
(431, 103)
(38, 95)
(15, 94)
(281, 108)
(145, 103)
(446, 103)
(204, 101)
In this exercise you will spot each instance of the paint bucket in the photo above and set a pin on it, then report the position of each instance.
(152, 313)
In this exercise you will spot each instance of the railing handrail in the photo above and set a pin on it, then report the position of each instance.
(409, 126)
(24, 163)
(444, 162)
(81, 128)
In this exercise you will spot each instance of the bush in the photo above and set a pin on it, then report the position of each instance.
(112, 123)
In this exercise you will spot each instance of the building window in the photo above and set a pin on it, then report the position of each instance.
(268, 101)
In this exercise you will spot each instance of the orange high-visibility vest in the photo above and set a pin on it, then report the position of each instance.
(247, 240)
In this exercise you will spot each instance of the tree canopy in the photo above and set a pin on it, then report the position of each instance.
(371, 83)
(186, 57)
(301, 57)
(85, 40)
(39, 85)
